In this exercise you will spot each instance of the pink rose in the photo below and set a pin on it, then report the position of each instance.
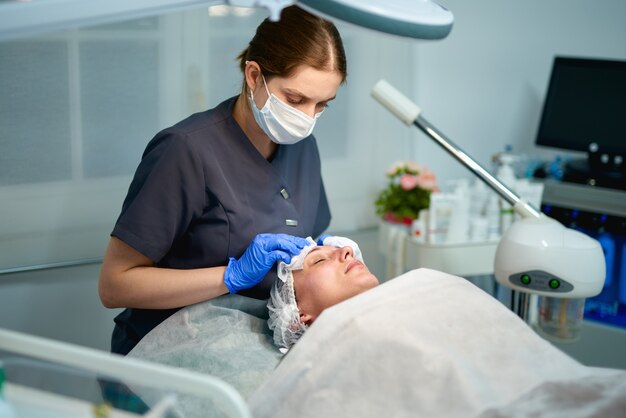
(426, 180)
(408, 182)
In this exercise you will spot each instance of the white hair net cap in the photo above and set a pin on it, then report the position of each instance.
(284, 315)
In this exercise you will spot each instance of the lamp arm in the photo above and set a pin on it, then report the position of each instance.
(520, 206)
(409, 113)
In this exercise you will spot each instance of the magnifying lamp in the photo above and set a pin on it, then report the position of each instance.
(420, 19)
(537, 254)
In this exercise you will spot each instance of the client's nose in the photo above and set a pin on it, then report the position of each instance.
(346, 253)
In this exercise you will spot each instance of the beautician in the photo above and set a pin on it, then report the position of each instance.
(221, 196)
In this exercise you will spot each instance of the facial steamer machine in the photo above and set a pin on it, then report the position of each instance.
(536, 255)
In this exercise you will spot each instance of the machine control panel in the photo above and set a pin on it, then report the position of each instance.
(541, 280)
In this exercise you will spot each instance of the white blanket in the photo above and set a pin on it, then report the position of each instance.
(433, 345)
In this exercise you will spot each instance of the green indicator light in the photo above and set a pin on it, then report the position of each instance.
(554, 284)
(525, 279)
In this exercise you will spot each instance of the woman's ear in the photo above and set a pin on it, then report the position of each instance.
(306, 318)
(252, 74)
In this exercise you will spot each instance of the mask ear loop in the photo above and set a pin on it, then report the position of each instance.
(266, 89)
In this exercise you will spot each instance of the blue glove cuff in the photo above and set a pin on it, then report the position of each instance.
(228, 276)
(321, 238)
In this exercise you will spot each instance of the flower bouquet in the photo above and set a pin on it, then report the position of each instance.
(408, 192)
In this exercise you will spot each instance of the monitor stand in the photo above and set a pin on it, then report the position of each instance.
(593, 172)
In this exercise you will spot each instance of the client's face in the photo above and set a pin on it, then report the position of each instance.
(330, 275)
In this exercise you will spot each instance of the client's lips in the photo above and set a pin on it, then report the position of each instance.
(355, 263)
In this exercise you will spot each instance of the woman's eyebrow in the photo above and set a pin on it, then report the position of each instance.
(313, 250)
(298, 93)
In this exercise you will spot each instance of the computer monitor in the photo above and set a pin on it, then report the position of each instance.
(585, 110)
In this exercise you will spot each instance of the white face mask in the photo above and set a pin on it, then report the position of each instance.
(282, 123)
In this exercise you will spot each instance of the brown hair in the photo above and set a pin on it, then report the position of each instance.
(298, 38)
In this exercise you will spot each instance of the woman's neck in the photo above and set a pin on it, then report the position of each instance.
(244, 117)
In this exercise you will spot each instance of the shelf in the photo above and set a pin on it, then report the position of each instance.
(583, 197)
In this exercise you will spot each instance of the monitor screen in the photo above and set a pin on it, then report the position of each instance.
(585, 104)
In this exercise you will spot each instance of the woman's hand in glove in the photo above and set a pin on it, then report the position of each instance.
(258, 259)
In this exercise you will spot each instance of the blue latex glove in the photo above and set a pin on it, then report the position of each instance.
(320, 240)
(258, 259)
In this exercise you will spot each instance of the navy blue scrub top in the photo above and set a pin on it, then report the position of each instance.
(202, 192)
